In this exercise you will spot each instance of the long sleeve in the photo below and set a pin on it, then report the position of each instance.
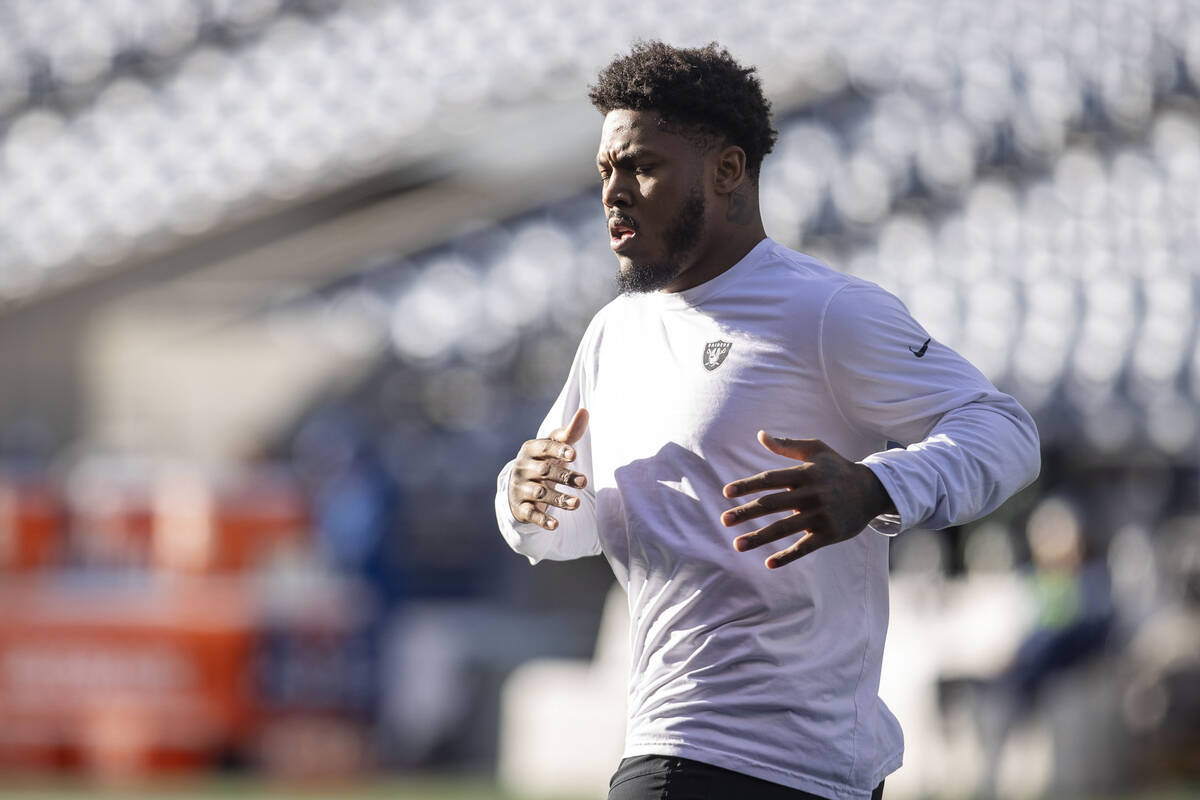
(576, 535)
(967, 446)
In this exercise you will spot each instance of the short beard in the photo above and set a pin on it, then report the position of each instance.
(682, 238)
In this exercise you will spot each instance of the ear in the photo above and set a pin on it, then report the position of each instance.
(730, 171)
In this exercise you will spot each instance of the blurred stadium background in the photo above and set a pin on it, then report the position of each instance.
(283, 283)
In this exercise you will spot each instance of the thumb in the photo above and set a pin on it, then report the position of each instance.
(572, 432)
(799, 449)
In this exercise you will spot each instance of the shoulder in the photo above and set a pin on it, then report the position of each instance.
(807, 279)
(848, 315)
(607, 315)
(864, 306)
(810, 290)
(863, 303)
(611, 319)
(796, 266)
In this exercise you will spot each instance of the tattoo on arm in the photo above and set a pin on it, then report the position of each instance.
(739, 208)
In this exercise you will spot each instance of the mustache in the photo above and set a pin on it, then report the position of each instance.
(617, 218)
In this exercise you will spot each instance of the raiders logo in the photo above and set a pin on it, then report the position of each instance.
(714, 354)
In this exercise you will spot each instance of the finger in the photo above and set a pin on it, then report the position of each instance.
(573, 431)
(541, 493)
(528, 511)
(772, 479)
(552, 471)
(768, 504)
(547, 448)
(799, 549)
(799, 449)
(788, 526)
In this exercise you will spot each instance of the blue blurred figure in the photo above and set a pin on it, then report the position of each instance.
(355, 502)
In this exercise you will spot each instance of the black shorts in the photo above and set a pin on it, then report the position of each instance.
(673, 778)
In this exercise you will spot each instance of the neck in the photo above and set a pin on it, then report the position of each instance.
(728, 244)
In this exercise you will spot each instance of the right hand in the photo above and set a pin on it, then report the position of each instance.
(542, 464)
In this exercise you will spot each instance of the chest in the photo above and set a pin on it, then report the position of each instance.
(703, 382)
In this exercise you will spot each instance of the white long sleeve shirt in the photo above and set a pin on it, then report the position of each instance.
(772, 673)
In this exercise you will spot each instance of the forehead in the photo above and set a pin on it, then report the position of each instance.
(625, 130)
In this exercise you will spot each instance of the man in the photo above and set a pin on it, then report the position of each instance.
(668, 451)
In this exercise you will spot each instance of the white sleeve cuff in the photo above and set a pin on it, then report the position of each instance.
(888, 524)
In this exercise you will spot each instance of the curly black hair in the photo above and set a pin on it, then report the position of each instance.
(702, 89)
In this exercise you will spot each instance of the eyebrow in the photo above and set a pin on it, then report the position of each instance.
(628, 156)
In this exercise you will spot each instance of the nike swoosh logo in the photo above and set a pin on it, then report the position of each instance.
(924, 347)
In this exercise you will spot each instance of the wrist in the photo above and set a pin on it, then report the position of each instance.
(877, 501)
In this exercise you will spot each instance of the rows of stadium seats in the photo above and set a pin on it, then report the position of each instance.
(63, 50)
(1077, 290)
(339, 93)
(55, 46)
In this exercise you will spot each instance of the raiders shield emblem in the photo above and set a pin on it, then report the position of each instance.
(714, 354)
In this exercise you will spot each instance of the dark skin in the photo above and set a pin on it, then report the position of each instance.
(649, 172)
(831, 499)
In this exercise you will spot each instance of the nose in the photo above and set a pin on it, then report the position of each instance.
(615, 193)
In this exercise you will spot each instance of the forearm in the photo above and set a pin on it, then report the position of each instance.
(975, 457)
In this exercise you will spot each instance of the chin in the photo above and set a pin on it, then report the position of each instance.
(635, 278)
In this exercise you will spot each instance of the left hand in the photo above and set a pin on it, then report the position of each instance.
(832, 498)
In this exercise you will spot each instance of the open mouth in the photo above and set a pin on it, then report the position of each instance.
(620, 233)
